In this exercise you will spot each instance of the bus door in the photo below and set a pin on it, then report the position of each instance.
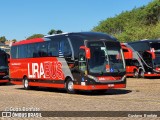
(147, 57)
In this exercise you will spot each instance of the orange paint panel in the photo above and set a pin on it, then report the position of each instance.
(4, 81)
(106, 78)
(34, 68)
(46, 85)
(98, 87)
(16, 83)
(129, 74)
(130, 68)
(152, 75)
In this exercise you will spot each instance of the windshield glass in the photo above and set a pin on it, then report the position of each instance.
(156, 46)
(156, 61)
(105, 57)
(3, 61)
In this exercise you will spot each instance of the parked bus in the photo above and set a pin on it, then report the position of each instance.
(74, 61)
(133, 63)
(4, 67)
(148, 52)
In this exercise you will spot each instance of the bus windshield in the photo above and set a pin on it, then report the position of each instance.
(156, 46)
(3, 61)
(105, 57)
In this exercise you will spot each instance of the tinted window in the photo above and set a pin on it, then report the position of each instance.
(22, 51)
(3, 60)
(59, 46)
(32, 51)
(14, 50)
(65, 47)
(43, 49)
(53, 48)
(140, 46)
(156, 46)
(76, 43)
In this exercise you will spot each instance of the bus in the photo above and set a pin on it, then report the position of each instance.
(74, 61)
(133, 63)
(4, 78)
(148, 52)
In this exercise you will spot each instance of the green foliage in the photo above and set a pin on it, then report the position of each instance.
(3, 39)
(14, 40)
(35, 36)
(52, 31)
(139, 23)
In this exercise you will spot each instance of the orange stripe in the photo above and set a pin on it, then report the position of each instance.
(129, 74)
(4, 81)
(40, 84)
(98, 87)
(46, 85)
(151, 75)
(16, 83)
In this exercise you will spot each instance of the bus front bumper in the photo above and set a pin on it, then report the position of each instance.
(98, 87)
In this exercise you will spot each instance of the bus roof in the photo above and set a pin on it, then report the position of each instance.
(28, 41)
(91, 35)
(146, 40)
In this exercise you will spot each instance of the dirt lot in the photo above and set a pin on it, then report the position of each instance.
(140, 95)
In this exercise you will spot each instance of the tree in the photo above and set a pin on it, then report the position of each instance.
(139, 23)
(14, 40)
(35, 36)
(52, 31)
(59, 31)
(3, 39)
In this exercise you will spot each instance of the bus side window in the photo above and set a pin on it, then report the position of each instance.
(65, 48)
(42, 50)
(82, 61)
(31, 51)
(14, 52)
(53, 48)
(22, 51)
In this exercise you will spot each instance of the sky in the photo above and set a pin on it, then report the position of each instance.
(20, 19)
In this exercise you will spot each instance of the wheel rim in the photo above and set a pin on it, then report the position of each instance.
(25, 83)
(142, 74)
(135, 74)
(70, 85)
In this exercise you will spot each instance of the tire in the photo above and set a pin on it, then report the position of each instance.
(135, 74)
(69, 86)
(141, 74)
(26, 84)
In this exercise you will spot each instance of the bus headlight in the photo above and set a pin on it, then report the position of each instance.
(92, 77)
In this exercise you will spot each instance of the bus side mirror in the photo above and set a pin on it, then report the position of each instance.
(87, 51)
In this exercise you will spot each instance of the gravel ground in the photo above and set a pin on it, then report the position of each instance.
(140, 95)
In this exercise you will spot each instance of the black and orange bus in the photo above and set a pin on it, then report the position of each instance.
(148, 52)
(133, 62)
(74, 61)
(4, 78)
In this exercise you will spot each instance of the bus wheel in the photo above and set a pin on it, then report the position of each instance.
(26, 83)
(135, 74)
(69, 86)
(142, 74)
